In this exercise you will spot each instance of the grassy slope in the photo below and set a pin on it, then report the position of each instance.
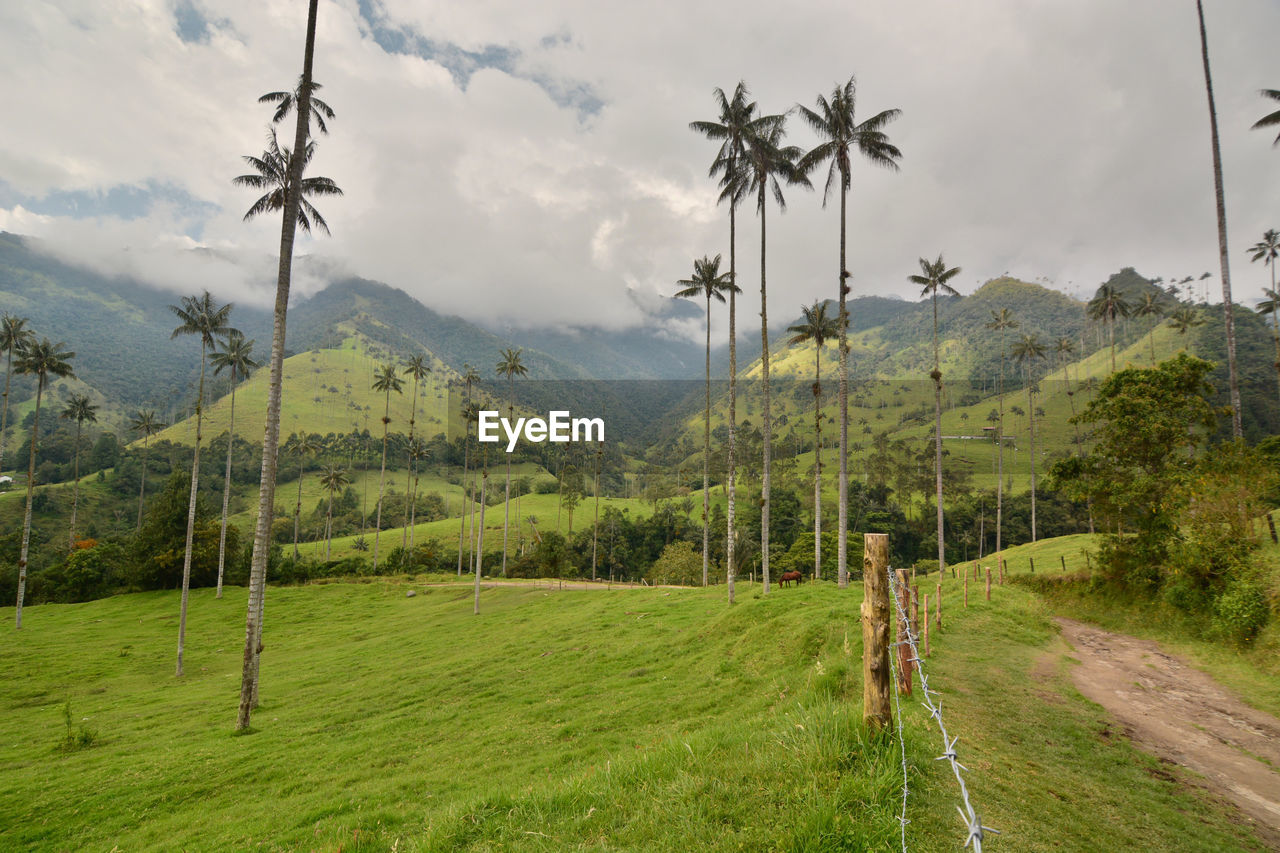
(625, 720)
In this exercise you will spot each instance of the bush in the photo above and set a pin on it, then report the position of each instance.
(1241, 611)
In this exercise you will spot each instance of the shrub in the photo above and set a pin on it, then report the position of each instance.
(1241, 611)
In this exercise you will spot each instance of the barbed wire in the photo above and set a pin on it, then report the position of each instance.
(972, 820)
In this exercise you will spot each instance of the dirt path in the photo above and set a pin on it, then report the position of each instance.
(1182, 715)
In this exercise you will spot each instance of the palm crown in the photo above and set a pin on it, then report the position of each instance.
(817, 326)
(80, 409)
(510, 365)
(286, 101)
(834, 122)
(43, 359)
(235, 355)
(1270, 119)
(200, 315)
(273, 175)
(707, 282)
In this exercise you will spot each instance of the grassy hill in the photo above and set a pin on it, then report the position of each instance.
(646, 720)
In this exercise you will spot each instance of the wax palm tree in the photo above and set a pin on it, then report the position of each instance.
(509, 366)
(1026, 352)
(148, 424)
(1185, 319)
(768, 164)
(834, 123)
(78, 409)
(203, 317)
(1107, 306)
(285, 101)
(1001, 321)
(271, 430)
(737, 121)
(933, 278)
(469, 378)
(818, 327)
(1267, 250)
(1270, 119)
(1150, 306)
(42, 360)
(301, 445)
(386, 381)
(415, 366)
(708, 283)
(332, 479)
(1228, 313)
(235, 355)
(1064, 348)
(14, 336)
(272, 170)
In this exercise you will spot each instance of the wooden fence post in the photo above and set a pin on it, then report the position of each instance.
(1063, 558)
(1271, 522)
(903, 607)
(939, 616)
(915, 610)
(875, 630)
(1032, 561)
(966, 590)
(988, 584)
(1001, 573)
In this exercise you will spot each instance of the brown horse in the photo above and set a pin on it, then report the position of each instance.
(787, 577)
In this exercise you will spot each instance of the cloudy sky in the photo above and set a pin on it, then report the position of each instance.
(530, 162)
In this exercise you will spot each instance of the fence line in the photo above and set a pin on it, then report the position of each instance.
(972, 820)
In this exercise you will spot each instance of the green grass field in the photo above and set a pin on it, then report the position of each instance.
(630, 719)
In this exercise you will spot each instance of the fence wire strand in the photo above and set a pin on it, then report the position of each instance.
(975, 831)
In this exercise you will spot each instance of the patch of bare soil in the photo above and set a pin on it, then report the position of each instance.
(1183, 717)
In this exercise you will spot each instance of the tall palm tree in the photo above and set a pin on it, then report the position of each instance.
(469, 378)
(200, 316)
(818, 327)
(78, 409)
(417, 367)
(933, 278)
(1185, 319)
(834, 123)
(272, 175)
(1228, 313)
(1025, 352)
(301, 445)
(509, 366)
(14, 336)
(707, 282)
(1267, 250)
(1064, 348)
(148, 424)
(1001, 321)
(768, 165)
(1270, 119)
(385, 380)
(1150, 306)
(332, 479)
(235, 355)
(42, 360)
(271, 430)
(737, 120)
(1107, 306)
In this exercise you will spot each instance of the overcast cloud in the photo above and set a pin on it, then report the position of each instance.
(530, 163)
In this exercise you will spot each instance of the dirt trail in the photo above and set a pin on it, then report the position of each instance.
(1182, 715)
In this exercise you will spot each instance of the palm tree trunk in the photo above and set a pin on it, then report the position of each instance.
(506, 495)
(484, 482)
(4, 418)
(937, 436)
(1000, 451)
(766, 417)
(817, 461)
(411, 497)
(75, 487)
(595, 522)
(1228, 315)
(842, 519)
(1111, 326)
(706, 458)
(271, 433)
(328, 527)
(297, 507)
(732, 473)
(26, 520)
(191, 516)
(142, 488)
(382, 476)
(226, 485)
(466, 461)
(1031, 421)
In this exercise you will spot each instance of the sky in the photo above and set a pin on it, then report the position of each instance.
(530, 164)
